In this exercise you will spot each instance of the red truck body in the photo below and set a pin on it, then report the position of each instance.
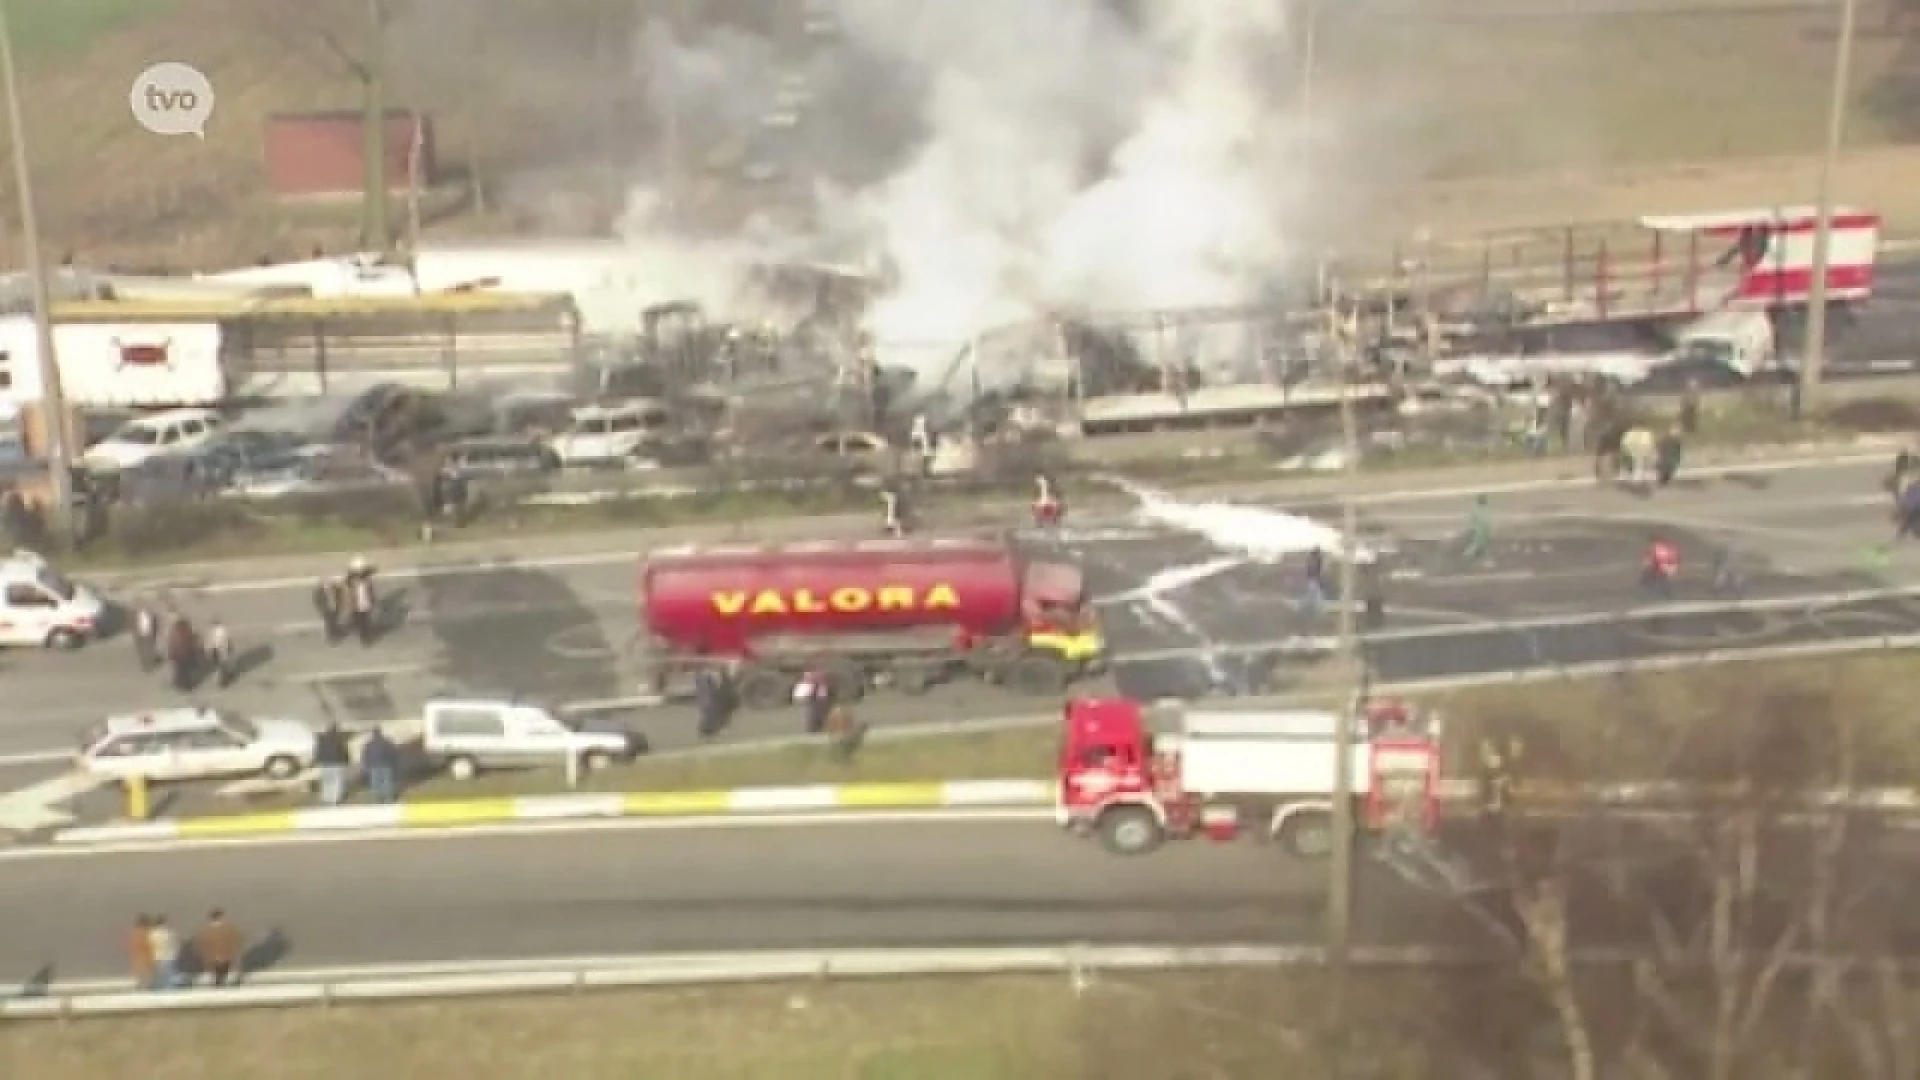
(720, 601)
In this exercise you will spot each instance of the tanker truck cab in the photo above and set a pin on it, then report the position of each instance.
(1135, 789)
(1060, 628)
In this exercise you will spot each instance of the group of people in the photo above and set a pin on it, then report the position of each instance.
(333, 760)
(1048, 508)
(169, 637)
(159, 959)
(348, 605)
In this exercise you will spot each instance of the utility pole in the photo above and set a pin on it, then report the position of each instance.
(1309, 49)
(373, 121)
(1813, 356)
(1352, 678)
(53, 400)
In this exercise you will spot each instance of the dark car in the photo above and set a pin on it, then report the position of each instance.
(491, 458)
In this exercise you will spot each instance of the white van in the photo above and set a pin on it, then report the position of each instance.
(173, 431)
(465, 736)
(39, 607)
(1726, 346)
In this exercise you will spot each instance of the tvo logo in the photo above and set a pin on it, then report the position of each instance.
(172, 98)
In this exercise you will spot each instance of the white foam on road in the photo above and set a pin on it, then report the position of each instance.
(1254, 532)
(42, 805)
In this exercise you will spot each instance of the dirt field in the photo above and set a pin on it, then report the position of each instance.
(1409, 103)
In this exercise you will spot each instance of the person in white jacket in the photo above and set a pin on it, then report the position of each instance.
(166, 954)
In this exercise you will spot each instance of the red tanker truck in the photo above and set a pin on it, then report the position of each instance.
(911, 612)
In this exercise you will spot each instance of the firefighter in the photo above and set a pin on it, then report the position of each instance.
(814, 692)
(1479, 538)
(362, 604)
(893, 512)
(1661, 566)
(1497, 762)
(1048, 509)
(183, 652)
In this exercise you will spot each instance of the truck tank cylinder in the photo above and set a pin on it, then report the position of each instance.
(720, 602)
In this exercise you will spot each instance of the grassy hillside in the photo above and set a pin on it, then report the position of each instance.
(518, 87)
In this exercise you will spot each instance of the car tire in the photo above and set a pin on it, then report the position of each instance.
(462, 767)
(65, 639)
(282, 767)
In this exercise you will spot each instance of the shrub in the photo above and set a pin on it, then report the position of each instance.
(170, 527)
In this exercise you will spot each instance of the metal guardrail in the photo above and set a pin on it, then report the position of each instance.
(1080, 963)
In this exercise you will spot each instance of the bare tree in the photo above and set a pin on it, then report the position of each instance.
(1733, 893)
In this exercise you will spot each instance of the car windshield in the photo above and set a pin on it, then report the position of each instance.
(55, 584)
(239, 726)
(589, 425)
(137, 436)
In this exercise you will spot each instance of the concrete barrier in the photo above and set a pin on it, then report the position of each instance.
(455, 813)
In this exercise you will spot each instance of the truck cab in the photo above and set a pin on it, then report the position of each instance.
(1136, 776)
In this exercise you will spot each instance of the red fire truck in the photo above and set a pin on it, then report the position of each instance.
(1135, 788)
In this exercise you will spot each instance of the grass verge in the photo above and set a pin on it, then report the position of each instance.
(982, 1028)
(1594, 730)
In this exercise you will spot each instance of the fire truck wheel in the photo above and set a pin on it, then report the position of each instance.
(1130, 830)
(1037, 675)
(765, 689)
(1306, 835)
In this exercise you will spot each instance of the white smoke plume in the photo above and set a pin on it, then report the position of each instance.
(1070, 159)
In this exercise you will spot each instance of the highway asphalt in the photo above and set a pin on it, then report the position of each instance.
(621, 891)
(563, 633)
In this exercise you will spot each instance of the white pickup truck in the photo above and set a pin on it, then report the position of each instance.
(467, 735)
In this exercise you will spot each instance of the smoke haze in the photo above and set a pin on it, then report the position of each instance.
(1004, 159)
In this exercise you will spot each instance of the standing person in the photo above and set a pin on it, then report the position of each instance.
(332, 757)
(1373, 599)
(1661, 567)
(166, 954)
(1479, 541)
(815, 692)
(217, 947)
(380, 758)
(1729, 569)
(1906, 514)
(326, 604)
(1666, 456)
(893, 513)
(183, 652)
(361, 601)
(220, 653)
(1690, 408)
(146, 637)
(709, 702)
(1313, 592)
(844, 733)
(140, 952)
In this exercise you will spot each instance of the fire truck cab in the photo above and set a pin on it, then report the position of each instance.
(1208, 772)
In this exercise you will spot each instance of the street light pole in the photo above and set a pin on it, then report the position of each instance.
(53, 399)
(1340, 865)
(1309, 47)
(1813, 356)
